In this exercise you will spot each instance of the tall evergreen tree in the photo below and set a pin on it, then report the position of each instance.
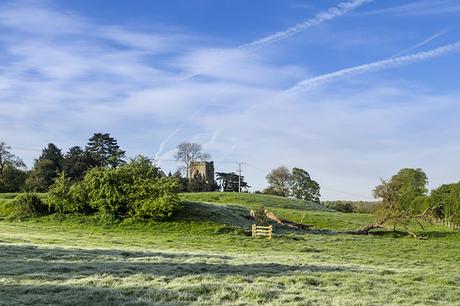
(76, 162)
(105, 150)
(46, 168)
(229, 182)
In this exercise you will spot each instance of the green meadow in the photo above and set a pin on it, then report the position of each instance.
(205, 256)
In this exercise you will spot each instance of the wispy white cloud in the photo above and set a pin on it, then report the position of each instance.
(62, 84)
(333, 12)
(245, 66)
(419, 8)
(375, 66)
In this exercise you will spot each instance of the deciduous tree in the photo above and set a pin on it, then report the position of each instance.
(12, 170)
(8, 159)
(279, 182)
(303, 187)
(399, 197)
(189, 153)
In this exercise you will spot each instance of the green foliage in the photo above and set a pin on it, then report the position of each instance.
(67, 197)
(157, 199)
(105, 191)
(59, 194)
(303, 187)
(402, 198)
(445, 203)
(12, 174)
(12, 179)
(76, 162)
(105, 150)
(279, 181)
(351, 206)
(46, 168)
(8, 159)
(136, 190)
(41, 176)
(29, 205)
(282, 182)
(230, 182)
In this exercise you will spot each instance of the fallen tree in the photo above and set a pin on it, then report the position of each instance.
(402, 197)
(264, 215)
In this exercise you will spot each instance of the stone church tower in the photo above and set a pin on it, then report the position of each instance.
(204, 169)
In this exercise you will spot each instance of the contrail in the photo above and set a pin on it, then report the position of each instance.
(163, 143)
(333, 12)
(375, 66)
(420, 44)
(177, 130)
(340, 9)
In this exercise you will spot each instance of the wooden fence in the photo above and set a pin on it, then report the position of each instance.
(262, 231)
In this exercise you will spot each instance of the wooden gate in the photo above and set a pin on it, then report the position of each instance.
(261, 231)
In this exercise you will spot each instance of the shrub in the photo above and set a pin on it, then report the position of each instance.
(80, 197)
(67, 197)
(28, 205)
(154, 199)
(105, 191)
(136, 190)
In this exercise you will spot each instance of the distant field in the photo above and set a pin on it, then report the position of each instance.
(198, 260)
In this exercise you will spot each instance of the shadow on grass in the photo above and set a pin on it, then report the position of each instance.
(26, 262)
(231, 215)
(81, 295)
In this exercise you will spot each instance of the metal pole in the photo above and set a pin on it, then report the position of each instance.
(239, 177)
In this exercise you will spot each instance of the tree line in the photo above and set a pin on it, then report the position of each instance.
(101, 150)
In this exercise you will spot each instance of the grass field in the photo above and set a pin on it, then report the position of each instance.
(199, 259)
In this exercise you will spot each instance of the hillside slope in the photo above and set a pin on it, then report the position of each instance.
(291, 209)
(253, 200)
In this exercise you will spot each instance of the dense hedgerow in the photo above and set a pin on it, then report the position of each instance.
(137, 189)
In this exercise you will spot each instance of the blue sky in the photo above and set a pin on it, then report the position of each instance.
(350, 91)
